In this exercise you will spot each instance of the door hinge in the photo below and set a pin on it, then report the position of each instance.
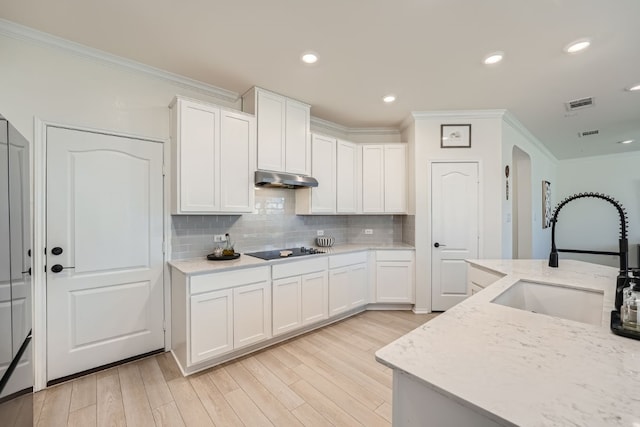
(164, 170)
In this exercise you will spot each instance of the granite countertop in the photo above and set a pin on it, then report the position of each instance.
(202, 265)
(527, 369)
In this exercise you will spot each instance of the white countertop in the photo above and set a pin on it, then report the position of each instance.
(202, 265)
(527, 369)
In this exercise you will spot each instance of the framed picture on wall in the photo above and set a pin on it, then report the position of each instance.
(546, 204)
(455, 136)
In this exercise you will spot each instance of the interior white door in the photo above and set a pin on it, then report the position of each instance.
(454, 230)
(104, 218)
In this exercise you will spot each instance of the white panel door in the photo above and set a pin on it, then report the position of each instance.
(323, 197)
(237, 153)
(287, 310)
(315, 306)
(104, 211)
(251, 314)
(346, 177)
(454, 230)
(298, 138)
(210, 325)
(395, 178)
(373, 178)
(271, 131)
(199, 154)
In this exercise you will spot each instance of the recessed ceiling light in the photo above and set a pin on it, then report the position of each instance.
(493, 58)
(577, 46)
(626, 141)
(389, 98)
(309, 57)
(634, 88)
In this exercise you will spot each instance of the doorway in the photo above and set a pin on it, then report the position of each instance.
(521, 232)
(104, 249)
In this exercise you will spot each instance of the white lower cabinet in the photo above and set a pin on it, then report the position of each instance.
(212, 308)
(251, 314)
(395, 276)
(299, 294)
(347, 282)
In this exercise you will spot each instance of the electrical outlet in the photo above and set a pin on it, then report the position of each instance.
(217, 238)
(320, 233)
(368, 231)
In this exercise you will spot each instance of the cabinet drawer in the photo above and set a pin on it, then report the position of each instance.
(337, 261)
(394, 255)
(215, 281)
(481, 277)
(298, 268)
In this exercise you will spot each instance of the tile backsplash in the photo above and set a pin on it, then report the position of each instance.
(274, 225)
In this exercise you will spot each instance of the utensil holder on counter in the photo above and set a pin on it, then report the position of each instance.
(325, 242)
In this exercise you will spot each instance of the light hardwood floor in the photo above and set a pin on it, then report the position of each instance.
(327, 377)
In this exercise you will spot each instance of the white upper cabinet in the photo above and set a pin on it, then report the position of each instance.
(384, 178)
(213, 159)
(321, 199)
(284, 141)
(346, 177)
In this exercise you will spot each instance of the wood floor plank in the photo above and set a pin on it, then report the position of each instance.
(248, 412)
(309, 417)
(83, 417)
(189, 405)
(55, 410)
(168, 415)
(38, 402)
(385, 411)
(286, 358)
(168, 365)
(277, 413)
(323, 405)
(134, 397)
(271, 382)
(110, 409)
(343, 334)
(83, 392)
(214, 402)
(282, 371)
(223, 380)
(154, 383)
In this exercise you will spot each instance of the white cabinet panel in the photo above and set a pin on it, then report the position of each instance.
(394, 281)
(297, 138)
(358, 295)
(323, 197)
(315, 306)
(251, 314)
(287, 310)
(237, 153)
(346, 177)
(373, 179)
(338, 291)
(395, 178)
(270, 112)
(211, 325)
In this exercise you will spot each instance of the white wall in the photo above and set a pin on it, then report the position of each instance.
(486, 149)
(543, 167)
(593, 224)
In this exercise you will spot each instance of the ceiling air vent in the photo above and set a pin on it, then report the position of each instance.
(588, 133)
(578, 104)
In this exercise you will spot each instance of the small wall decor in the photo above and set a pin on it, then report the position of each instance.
(546, 204)
(455, 136)
(506, 174)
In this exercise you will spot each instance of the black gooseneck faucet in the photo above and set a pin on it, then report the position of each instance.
(623, 276)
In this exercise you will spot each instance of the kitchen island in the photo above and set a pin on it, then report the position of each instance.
(487, 364)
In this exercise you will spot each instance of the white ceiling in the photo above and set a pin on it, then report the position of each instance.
(427, 52)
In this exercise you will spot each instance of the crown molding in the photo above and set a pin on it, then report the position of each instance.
(20, 32)
(516, 124)
(460, 114)
(346, 131)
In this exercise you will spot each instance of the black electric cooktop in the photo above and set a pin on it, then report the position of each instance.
(275, 254)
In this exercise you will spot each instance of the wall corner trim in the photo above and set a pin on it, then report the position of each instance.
(511, 120)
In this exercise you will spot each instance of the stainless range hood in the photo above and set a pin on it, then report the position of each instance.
(283, 180)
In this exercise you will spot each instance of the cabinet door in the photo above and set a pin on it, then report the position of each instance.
(315, 306)
(287, 310)
(395, 178)
(346, 177)
(297, 139)
(251, 314)
(373, 178)
(323, 197)
(198, 152)
(358, 285)
(338, 290)
(271, 131)
(211, 325)
(237, 165)
(394, 281)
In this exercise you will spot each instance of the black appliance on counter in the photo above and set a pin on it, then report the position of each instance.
(285, 253)
(16, 361)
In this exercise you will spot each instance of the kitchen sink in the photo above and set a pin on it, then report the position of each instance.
(580, 305)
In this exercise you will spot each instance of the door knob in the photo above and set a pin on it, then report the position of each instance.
(57, 268)
(57, 250)
(437, 245)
